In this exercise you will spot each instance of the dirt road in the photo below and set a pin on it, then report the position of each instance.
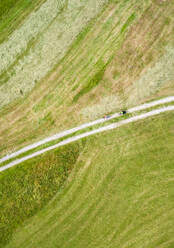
(89, 124)
(99, 130)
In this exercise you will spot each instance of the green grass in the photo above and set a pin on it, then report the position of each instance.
(92, 83)
(32, 184)
(13, 13)
(128, 22)
(6, 5)
(120, 193)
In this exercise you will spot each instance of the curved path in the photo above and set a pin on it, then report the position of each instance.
(89, 124)
(99, 130)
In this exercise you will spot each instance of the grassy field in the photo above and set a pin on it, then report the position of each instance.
(119, 194)
(75, 88)
(32, 185)
(67, 62)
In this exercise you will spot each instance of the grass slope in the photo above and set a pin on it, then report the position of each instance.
(119, 56)
(120, 193)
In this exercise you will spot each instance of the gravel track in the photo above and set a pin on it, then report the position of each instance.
(99, 130)
(89, 124)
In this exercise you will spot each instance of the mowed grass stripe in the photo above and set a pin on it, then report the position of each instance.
(96, 33)
(92, 211)
(85, 71)
(85, 208)
(115, 43)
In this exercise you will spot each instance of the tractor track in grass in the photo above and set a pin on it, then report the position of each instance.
(89, 133)
(83, 126)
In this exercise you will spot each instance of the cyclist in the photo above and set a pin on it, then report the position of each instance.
(123, 112)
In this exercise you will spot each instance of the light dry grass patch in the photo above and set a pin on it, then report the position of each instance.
(105, 105)
(153, 79)
(51, 43)
(99, 42)
(30, 29)
(145, 43)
